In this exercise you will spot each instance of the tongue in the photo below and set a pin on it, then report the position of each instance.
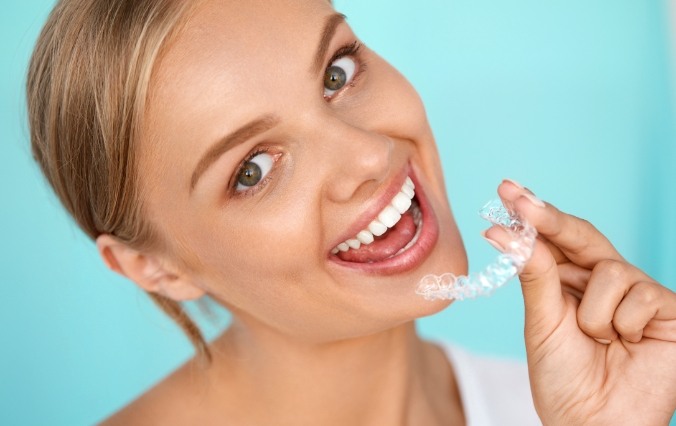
(386, 245)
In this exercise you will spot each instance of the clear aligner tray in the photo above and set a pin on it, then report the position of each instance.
(507, 265)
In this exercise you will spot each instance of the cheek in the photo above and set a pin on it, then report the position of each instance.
(269, 267)
(395, 108)
(390, 104)
(258, 256)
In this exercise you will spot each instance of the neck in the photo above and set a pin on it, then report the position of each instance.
(391, 377)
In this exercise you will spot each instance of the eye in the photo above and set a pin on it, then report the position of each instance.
(254, 170)
(338, 74)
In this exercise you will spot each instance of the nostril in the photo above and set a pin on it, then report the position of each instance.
(360, 159)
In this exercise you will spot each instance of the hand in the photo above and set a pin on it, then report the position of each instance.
(600, 334)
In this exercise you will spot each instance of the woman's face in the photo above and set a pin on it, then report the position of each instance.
(257, 164)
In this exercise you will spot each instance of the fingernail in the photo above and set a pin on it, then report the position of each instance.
(534, 200)
(603, 341)
(494, 243)
(515, 183)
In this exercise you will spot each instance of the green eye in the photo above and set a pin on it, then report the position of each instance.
(338, 74)
(253, 171)
(249, 175)
(335, 78)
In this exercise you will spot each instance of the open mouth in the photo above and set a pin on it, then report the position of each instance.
(394, 230)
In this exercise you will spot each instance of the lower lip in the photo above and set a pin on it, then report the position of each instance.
(415, 255)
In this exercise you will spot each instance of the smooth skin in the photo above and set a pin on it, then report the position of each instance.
(600, 333)
(313, 343)
(310, 342)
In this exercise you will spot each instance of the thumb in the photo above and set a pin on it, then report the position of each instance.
(542, 294)
(541, 287)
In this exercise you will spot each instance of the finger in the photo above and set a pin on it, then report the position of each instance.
(541, 287)
(509, 190)
(608, 284)
(661, 329)
(644, 302)
(577, 294)
(579, 240)
(638, 307)
(558, 255)
(574, 276)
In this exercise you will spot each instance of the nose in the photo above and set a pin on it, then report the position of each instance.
(357, 158)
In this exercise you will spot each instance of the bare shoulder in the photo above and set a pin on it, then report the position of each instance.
(176, 400)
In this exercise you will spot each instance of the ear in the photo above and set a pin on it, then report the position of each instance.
(146, 270)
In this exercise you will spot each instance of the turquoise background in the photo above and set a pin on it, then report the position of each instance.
(573, 99)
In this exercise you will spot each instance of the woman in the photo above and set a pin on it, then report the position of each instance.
(249, 151)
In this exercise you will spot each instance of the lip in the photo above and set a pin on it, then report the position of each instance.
(412, 257)
(376, 207)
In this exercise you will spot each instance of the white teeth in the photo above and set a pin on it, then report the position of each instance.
(386, 219)
(355, 244)
(377, 228)
(401, 202)
(365, 237)
(408, 191)
(389, 216)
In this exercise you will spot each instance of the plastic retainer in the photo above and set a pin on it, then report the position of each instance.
(495, 275)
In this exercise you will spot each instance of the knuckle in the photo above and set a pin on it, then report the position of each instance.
(585, 235)
(612, 270)
(582, 245)
(626, 327)
(586, 226)
(590, 324)
(582, 232)
(645, 293)
(557, 224)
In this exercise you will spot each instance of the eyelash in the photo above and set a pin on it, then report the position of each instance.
(254, 189)
(354, 50)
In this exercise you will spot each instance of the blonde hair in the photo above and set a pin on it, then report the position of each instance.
(86, 93)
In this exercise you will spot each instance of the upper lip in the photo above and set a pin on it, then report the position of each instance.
(379, 203)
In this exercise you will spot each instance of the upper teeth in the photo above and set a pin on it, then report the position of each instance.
(387, 218)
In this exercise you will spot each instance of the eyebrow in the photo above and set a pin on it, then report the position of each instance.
(330, 27)
(267, 122)
(237, 137)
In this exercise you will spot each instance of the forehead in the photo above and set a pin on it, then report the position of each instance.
(230, 45)
(228, 63)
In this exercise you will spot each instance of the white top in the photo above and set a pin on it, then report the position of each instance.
(493, 391)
